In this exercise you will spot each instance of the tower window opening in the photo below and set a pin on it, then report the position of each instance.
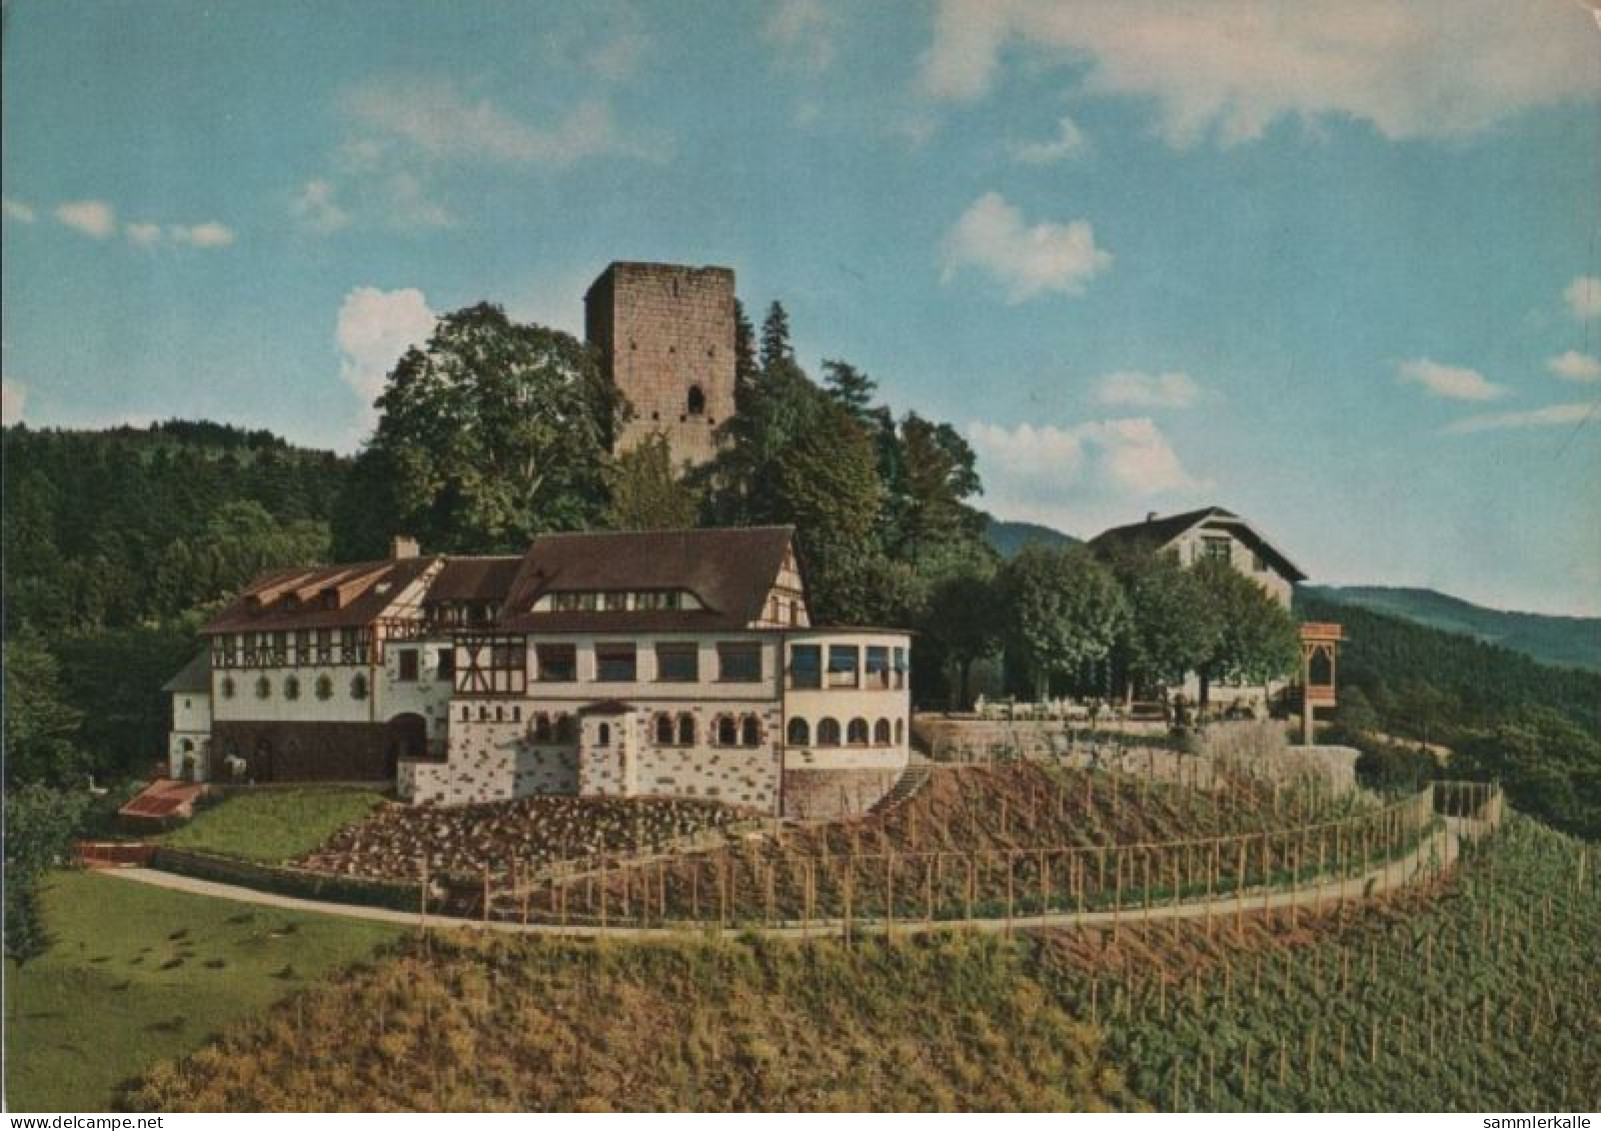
(697, 401)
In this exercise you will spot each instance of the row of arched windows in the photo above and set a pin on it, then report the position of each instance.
(324, 687)
(857, 732)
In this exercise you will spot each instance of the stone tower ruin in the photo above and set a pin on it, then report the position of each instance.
(666, 337)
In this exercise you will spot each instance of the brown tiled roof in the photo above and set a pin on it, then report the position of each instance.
(1154, 533)
(474, 579)
(730, 570)
(289, 599)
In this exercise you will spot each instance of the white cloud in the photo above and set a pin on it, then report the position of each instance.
(1584, 297)
(1452, 382)
(444, 124)
(142, 234)
(16, 210)
(91, 217)
(13, 398)
(1146, 390)
(1552, 416)
(315, 205)
(1068, 141)
(1412, 70)
(374, 329)
(1576, 366)
(209, 234)
(802, 35)
(1045, 465)
(992, 236)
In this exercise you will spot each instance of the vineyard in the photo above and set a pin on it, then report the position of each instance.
(1037, 842)
(1476, 992)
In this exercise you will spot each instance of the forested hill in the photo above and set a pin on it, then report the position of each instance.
(1007, 538)
(1473, 682)
(1573, 642)
(120, 527)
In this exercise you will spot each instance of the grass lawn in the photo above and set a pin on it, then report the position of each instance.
(138, 974)
(272, 825)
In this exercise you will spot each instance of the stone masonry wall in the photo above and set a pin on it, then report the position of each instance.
(662, 330)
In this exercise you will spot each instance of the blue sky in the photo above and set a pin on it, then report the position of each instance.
(1334, 266)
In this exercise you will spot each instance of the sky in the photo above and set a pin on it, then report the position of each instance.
(1333, 266)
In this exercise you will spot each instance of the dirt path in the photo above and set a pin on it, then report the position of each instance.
(1440, 850)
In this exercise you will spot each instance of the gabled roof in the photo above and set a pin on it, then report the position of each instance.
(289, 599)
(193, 676)
(474, 579)
(1156, 533)
(729, 571)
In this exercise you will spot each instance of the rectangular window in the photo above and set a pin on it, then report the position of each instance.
(408, 665)
(900, 667)
(615, 663)
(1217, 550)
(302, 646)
(558, 663)
(677, 663)
(877, 666)
(805, 665)
(616, 602)
(447, 663)
(739, 663)
(843, 660)
(1258, 563)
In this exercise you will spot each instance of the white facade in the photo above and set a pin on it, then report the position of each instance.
(189, 742)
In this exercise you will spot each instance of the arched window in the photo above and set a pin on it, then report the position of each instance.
(727, 730)
(291, 688)
(499, 717)
(881, 733)
(800, 732)
(227, 687)
(542, 728)
(686, 730)
(664, 730)
(900, 732)
(566, 728)
(750, 731)
(188, 746)
(263, 688)
(828, 732)
(466, 711)
(358, 686)
(697, 401)
(856, 732)
(325, 689)
(603, 734)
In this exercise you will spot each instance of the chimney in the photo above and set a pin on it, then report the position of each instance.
(403, 546)
(1150, 516)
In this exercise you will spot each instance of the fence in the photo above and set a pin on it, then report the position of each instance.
(761, 885)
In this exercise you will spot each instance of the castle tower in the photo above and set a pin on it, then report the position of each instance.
(666, 337)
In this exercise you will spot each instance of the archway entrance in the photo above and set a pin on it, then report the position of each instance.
(407, 737)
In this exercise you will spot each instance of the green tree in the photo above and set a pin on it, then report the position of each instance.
(851, 389)
(40, 725)
(1065, 611)
(645, 494)
(1173, 628)
(39, 825)
(934, 474)
(495, 432)
(963, 624)
(776, 348)
(1256, 640)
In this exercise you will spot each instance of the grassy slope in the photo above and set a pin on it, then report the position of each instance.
(274, 824)
(515, 1025)
(138, 974)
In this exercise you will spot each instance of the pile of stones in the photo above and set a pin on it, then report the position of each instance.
(526, 834)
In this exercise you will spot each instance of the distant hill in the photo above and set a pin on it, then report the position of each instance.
(1570, 642)
(1009, 537)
